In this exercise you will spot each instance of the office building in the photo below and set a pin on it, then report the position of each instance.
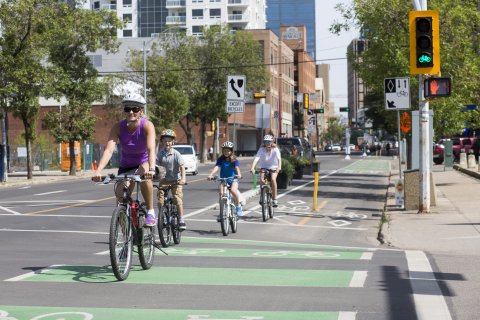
(356, 87)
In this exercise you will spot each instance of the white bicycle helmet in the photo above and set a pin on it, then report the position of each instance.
(268, 138)
(227, 144)
(134, 99)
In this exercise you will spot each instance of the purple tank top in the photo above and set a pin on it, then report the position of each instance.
(134, 145)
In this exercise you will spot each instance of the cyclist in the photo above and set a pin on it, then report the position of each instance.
(269, 157)
(174, 165)
(136, 136)
(229, 168)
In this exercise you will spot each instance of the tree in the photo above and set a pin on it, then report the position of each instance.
(334, 131)
(387, 53)
(73, 75)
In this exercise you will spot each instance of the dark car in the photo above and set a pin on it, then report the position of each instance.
(458, 144)
(296, 145)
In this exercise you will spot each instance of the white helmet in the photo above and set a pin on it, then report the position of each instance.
(227, 144)
(268, 138)
(135, 99)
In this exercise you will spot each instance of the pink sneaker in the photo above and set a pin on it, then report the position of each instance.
(150, 220)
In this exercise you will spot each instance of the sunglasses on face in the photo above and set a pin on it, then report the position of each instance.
(267, 143)
(134, 109)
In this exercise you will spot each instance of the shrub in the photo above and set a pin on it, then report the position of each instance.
(287, 168)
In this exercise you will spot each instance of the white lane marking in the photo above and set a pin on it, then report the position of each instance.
(358, 279)
(429, 301)
(8, 210)
(49, 201)
(27, 187)
(343, 315)
(51, 192)
(31, 274)
(53, 231)
(366, 256)
(58, 215)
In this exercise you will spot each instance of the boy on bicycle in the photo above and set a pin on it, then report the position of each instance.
(174, 165)
(229, 168)
(270, 158)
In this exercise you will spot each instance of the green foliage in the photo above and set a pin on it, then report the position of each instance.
(334, 131)
(384, 24)
(287, 167)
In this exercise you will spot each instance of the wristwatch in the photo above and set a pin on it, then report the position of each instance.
(152, 170)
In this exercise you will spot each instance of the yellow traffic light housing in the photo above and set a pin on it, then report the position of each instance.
(424, 29)
(306, 101)
(259, 95)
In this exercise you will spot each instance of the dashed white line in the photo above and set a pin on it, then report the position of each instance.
(51, 192)
(31, 274)
(358, 279)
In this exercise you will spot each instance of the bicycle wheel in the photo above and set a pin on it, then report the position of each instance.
(263, 200)
(146, 250)
(270, 205)
(233, 218)
(120, 243)
(177, 235)
(163, 224)
(224, 217)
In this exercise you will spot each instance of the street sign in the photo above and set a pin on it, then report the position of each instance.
(235, 106)
(262, 115)
(311, 123)
(397, 93)
(236, 88)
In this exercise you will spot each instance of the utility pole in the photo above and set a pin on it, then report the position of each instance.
(145, 74)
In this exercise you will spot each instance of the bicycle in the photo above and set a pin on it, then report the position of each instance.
(228, 216)
(168, 220)
(266, 198)
(127, 229)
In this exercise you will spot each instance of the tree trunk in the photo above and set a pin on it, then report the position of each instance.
(73, 161)
(28, 144)
(203, 145)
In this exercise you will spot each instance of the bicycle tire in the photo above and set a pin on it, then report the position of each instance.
(163, 225)
(271, 212)
(263, 199)
(224, 223)
(175, 226)
(146, 241)
(233, 218)
(120, 243)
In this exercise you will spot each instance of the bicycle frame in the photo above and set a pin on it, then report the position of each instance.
(227, 216)
(266, 194)
(168, 222)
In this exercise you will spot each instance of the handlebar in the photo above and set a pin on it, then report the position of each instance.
(269, 170)
(217, 178)
(122, 177)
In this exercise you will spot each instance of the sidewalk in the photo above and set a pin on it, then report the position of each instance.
(452, 226)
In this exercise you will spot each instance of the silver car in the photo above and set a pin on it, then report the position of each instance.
(189, 156)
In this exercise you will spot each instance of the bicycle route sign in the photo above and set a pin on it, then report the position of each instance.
(397, 93)
(236, 94)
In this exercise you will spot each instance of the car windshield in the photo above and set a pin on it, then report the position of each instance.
(184, 150)
(288, 142)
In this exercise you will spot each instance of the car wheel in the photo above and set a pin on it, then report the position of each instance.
(194, 173)
(438, 161)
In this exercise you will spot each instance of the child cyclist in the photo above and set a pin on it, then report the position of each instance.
(174, 165)
(229, 168)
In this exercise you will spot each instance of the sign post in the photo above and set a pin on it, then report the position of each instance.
(235, 99)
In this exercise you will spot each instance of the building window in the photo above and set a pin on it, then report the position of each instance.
(127, 17)
(96, 5)
(127, 33)
(215, 13)
(96, 60)
(197, 1)
(197, 14)
(127, 3)
(197, 30)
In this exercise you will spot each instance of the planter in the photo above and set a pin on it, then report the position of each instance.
(307, 169)
(298, 174)
(282, 180)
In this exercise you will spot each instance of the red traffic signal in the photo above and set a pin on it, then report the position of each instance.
(437, 87)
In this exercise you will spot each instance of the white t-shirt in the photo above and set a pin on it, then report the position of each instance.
(268, 160)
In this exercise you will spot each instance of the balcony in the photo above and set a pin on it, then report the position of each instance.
(238, 18)
(176, 20)
(175, 4)
(107, 6)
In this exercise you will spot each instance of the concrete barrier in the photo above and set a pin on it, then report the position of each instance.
(412, 190)
(463, 160)
(471, 161)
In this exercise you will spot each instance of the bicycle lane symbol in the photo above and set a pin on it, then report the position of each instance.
(52, 316)
(342, 219)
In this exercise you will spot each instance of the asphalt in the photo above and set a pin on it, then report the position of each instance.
(453, 224)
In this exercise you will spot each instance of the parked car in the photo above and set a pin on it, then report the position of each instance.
(336, 147)
(328, 147)
(296, 144)
(458, 144)
(189, 156)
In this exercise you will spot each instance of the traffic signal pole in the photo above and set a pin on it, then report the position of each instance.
(425, 152)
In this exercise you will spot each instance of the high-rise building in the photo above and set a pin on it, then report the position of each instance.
(293, 13)
(146, 18)
(356, 87)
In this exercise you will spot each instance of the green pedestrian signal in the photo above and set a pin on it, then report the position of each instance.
(318, 110)
(346, 109)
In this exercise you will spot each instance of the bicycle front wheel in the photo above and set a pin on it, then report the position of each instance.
(146, 249)
(264, 201)
(164, 231)
(177, 234)
(224, 217)
(233, 218)
(271, 212)
(120, 243)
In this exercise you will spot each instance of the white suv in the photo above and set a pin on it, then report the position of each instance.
(189, 156)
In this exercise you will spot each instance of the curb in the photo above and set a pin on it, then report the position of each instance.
(467, 171)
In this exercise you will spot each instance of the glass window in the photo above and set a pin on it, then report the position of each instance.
(96, 5)
(127, 17)
(197, 14)
(196, 29)
(127, 33)
(127, 3)
(215, 13)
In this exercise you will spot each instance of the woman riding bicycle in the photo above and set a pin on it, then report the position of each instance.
(136, 136)
(229, 168)
(269, 157)
(174, 165)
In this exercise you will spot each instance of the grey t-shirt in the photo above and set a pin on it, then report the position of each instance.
(171, 161)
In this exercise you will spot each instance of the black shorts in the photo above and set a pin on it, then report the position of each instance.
(130, 170)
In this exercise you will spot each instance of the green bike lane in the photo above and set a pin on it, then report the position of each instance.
(215, 274)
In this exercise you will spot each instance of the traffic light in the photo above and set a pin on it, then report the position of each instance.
(306, 100)
(318, 110)
(437, 87)
(259, 95)
(346, 109)
(424, 42)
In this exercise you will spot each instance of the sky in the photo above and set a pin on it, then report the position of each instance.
(330, 46)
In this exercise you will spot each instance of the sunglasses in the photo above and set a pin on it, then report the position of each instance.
(134, 109)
